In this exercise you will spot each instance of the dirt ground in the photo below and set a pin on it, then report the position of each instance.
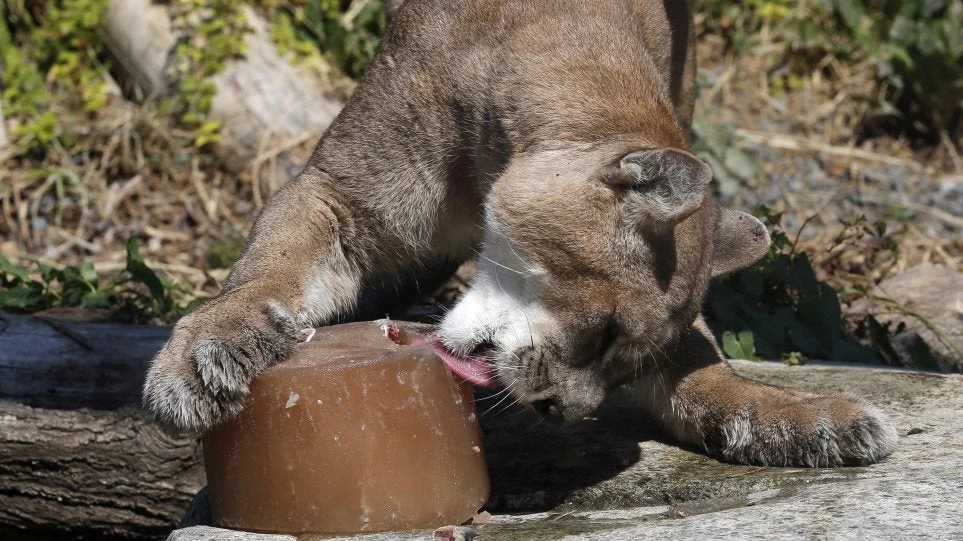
(817, 168)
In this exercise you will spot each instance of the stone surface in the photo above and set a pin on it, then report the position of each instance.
(207, 533)
(932, 292)
(612, 479)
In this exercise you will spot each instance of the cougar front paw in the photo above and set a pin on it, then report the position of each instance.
(201, 375)
(808, 430)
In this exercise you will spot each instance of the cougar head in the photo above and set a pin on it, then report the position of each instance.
(592, 261)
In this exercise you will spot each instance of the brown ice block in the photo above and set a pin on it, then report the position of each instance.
(352, 433)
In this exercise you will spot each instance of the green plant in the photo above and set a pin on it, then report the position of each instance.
(916, 46)
(799, 25)
(794, 358)
(919, 48)
(135, 294)
(740, 346)
(50, 60)
(346, 33)
(215, 30)
(779, 307)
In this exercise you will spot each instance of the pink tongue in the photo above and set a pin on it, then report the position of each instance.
(471, 369)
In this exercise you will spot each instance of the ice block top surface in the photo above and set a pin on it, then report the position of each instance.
(350, 345)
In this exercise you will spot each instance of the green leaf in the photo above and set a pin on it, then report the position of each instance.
(805, 338)
(830, 309)
(741, 346)
(77, 283)
(728, 183)
(140, 272)
(740, 163)
(17, 272)
(751, 282)
(930, 7)
(768, 334)
(900, 56)
(88, 274)
(794, 358)
(801, 275)
(724, 304)
(47, 273)
(96, 299)
(208, 132)
(850, 11)
(22, 297)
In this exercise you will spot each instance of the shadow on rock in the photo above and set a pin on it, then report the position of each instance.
(535, 465)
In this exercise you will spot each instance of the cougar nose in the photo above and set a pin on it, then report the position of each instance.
(548, 408)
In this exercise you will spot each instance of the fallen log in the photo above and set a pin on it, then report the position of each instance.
(55, 363)
(88, 463)
(94, 474)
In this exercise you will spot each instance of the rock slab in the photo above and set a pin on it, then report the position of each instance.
(612, 479)
(935, 294)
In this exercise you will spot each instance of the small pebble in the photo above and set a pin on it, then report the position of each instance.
(677, 512)
(482, 518)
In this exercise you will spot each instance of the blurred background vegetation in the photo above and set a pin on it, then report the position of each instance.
(914, 50)
(839, 120)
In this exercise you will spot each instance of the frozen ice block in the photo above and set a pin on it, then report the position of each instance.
(352, 433)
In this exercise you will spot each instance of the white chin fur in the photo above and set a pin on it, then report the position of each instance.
(500, 307)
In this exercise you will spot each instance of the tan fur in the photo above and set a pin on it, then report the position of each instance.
(553, 136)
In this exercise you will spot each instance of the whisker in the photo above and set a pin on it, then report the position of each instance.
(506, 267)
(499, 402)
(509, 406)
(489, 397)
(486, 258)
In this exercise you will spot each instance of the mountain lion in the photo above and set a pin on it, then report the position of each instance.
(552, 137)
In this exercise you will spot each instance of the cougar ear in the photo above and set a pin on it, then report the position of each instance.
(740, 241)
(670, 184)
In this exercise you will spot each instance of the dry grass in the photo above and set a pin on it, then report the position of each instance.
(133, 173)
(817, 127)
